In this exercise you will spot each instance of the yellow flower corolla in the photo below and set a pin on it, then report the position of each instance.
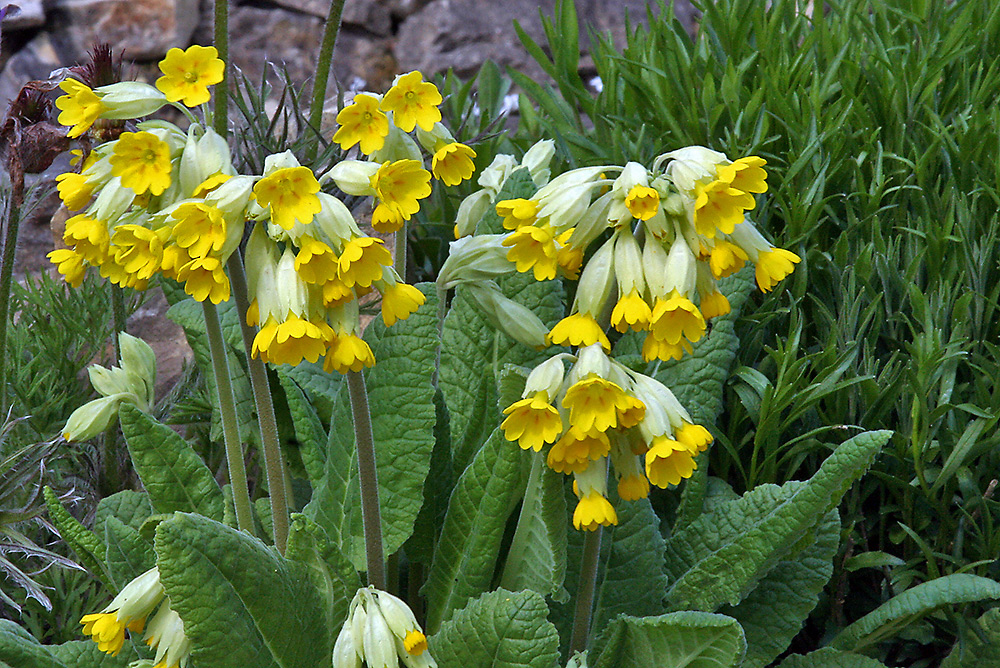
(205, 278)
(128, 610)
(631, 312)
(714, 304)
(315, 262)
(654, 348)
(362, 123)
(517, 212)
(348, 353)
(415, 643)
(694, 437)
(400, 185)
(452, 163)
(107, 631)
(291, 341)
(746, 174)
(533, 247)
(335, 291)
(413, 102)
(80, 107)
(569, 257)
(774, 265)
(575, 450)
(633, 487)
(362, 260)
(532, 422)
(291, 194)
(69, 264)
(187, 74)
(578, 329)
(668, 462)
(137, 250)
(200, 228)
(677, 317)
(642, 202)
(399, 301)
(74, 190)
(595, 404)
(726, 258)
(89, 237)
(719, 206)
(593, 511)
(142, 160)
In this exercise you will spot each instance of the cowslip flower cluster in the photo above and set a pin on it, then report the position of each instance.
(394, 176)
(603, 416)
(164, 202)
(380, 631)
(130, 611)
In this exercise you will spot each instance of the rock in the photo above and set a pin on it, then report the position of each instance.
(372, 15)
(24, 14)
(143, 30)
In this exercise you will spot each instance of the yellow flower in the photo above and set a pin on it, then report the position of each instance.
(517, 212)
(695, 437)
(595, 404)
(70, 264)
(348, 353)
(633, 487)
(89, 237)
(188, 74)
(642, 202)
(593, 511)
(166, 635)
(315, 262)
(631, 311)
(399, 301)
(200, 228)
(654, 348)
(205, 278)
(578, 329)
(532, 422)
(533, 248)
(774, 265)
(452, 163)
(335, 291)
(745, 174)
(137, 250)
(142, 161)
(362, 260)
(713, 305)
(413, 102)
(74, 190)
(668, 462)
(569, 257)
(575, 450)
(386, 220)
(415, 643)
(362, 122)
(726, 259)
(80, 107)
(291, 341)
(400, 185)
(677, 317)
(291, 194)
(719, 206)
(128, 610)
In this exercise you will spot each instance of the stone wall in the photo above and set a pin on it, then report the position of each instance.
(379, 38)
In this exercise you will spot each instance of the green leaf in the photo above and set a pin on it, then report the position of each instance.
(129, 506)
(975, 652)
(171, 471)
(320, 386)
(437, 488)
(500, 629)
(537, 556)
(242, 605)
(401, 398)
(719, 558)
(773, 613)
(129, 554)
(903, 609)
(677, 640)
(18, 649)
(84, 654)
(467, 552)
(332, 574)
(830, 658)
(309, 431)
(87, 547)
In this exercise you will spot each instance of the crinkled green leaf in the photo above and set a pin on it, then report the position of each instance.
(974, 652)
(467, 552)
(84, 654)
(18, 649)
(501, 629)
(128, 506)
(333, 575)
(309, 431)
(173, 474)
(677, 640)
(321, 386)
(719, 558)
(129, 554)
(537, 556)
(401, 400)
(773, 613)
(830, 658)
(242, 604)
(437, 488)
(903, 609)
(87, 547)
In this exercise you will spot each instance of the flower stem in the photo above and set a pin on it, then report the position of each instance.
(370, 514)
(220, 115)
(113, 474)
(230, 426)
(585, 592)
(330, 31)
(7, 276)
(273, 463)
(399, 254)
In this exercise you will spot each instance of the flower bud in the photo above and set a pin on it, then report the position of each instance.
(474, 258)
(513, 319)
(537, 159)
(130, 99)
(353, 176)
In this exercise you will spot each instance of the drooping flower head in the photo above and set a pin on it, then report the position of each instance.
(452, 163)
(80, 107)
(187, 74)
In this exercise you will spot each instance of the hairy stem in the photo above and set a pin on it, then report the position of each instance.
(330, 31)
(220, 114)
(230, 426)
(370, 514)
(399, 254)
(13, 223)
(273, 463)
(585, 593)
